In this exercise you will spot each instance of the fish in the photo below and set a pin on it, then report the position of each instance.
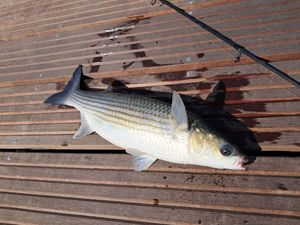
(148, 129)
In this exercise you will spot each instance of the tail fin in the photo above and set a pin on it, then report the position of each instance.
(75, 83)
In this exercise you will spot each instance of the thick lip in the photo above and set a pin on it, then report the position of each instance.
(240, 163)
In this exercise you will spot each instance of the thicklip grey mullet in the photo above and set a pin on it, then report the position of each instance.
(147, 128)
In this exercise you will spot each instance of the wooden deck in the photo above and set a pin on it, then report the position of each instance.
(46, 177)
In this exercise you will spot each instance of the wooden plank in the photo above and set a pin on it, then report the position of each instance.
(148, 44)
(73, 117)
(108, 21)
(35, 217)
(202, 216)
(46, 74)
(97, 194)
(27, 8)
(81, 19)
(103, 8)
(137, 27)
(145, 197)
(238, 73)
(150, 48)
(38, 76)
(152, 51)
(60, 207)
(107, 39)
(20, 14)
(175, 181)
(21, 61)
(55, 10)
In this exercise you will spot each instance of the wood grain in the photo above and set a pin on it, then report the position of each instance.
(96, 187)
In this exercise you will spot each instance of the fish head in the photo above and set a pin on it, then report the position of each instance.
(208, 148)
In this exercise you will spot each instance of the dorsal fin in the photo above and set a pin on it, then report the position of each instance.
(178, 112)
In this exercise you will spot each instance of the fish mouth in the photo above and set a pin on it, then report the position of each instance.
(240, 163)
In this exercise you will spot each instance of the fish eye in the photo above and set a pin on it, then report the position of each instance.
(226, 150)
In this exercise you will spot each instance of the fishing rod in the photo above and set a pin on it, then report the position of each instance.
(241, 49)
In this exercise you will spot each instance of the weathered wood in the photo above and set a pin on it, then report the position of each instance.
(150, 48)
(154, 51)
(127, 18)
(137, 31)
(35, 217)
(101, 196)
(175, 181)
(263, 166)
(40, 78)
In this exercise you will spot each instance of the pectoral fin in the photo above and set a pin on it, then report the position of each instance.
(134, 152)
(140, 160)
(84, 129)
(117, 86)
(178, 111)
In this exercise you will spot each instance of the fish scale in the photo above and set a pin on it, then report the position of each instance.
(132, 111)
(129, 124)
(125, 109)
